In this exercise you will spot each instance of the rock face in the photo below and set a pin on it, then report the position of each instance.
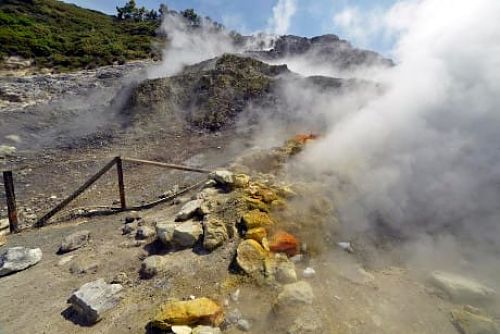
(469, 320)
(250, 256)
(18, 258)
(189, 209)
(201, 311)
(461, 289)
(74, 241)
(214, 233)
(94, 299)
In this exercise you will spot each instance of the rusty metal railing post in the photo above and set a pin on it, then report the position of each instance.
(8, 181)
(121, 182)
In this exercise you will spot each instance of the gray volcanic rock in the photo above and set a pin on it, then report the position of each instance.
(19, 258)
(94, 299)
(74, 241)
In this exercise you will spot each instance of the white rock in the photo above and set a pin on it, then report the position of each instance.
(188, 210)
(243, 325)
(345, 245)
(181, 329)
(94, 299)
(309, 273)
(206, 330)
(187, 234)
(461, 289)
(65, 259)
(18, 258)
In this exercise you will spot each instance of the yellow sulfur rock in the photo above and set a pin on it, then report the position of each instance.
(256, 234)
(256, 204)
(201, 311)
(257, 218)
(250, 256)
(241, 180)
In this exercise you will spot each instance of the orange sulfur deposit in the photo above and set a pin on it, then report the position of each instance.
(284, 242)
(303, 138)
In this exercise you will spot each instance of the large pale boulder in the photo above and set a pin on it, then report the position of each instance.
(200, 311)
(469, 320)
(165, 232)
(461, 289)
(187, 234)
(18, 258)
(94, 299)
(74, 241)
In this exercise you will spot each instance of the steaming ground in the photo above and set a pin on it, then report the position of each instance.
(409, 164)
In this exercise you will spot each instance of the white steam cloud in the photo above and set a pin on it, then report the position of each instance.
(424, 157)
(283, 12)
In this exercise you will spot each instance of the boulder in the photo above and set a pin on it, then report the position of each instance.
(241, 180)
(18, 258)
(94, 299)
(223, 177)
(165, 232)
(74, 241)
(469, 320)
(153, 265)
(200, 311)
(461, 289)
(129, 228)
(294, 294)
(144, 232)
(188, 210)
(187, 234)
(214, 233)
(250, 256)
(206, 330)
(257, 218)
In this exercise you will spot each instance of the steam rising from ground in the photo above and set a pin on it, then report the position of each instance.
(283, 12)
(423, 158)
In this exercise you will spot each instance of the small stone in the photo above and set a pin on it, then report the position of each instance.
(120, 278)
(250, 256)
(206, 330)
(145, 232)
(460, 288)
(153, 265)
(299, 293)
(297, 258)
(83, 267)
(285, 272)
(94, 299)
(74, 241)
(3, 240)
(181, 330)
(309, 273)
(188, 210)
(131, 217)
(241, 180)
(243, 325)
(18, 258)
(165, 232)
(345, 245)
(187, 234)
(257, 218)
(4, 226)
(201, 311)
(469, 320)
(235, 296)
(214, 233)
(129, 228)
(233, 316)
(64, 260)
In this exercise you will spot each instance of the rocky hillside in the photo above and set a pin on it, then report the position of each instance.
(211, 94)
(51, 33)
(329, 49)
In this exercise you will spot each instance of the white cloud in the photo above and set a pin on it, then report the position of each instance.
(283, 12)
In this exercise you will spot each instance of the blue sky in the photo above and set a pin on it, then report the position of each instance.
(311, 18)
